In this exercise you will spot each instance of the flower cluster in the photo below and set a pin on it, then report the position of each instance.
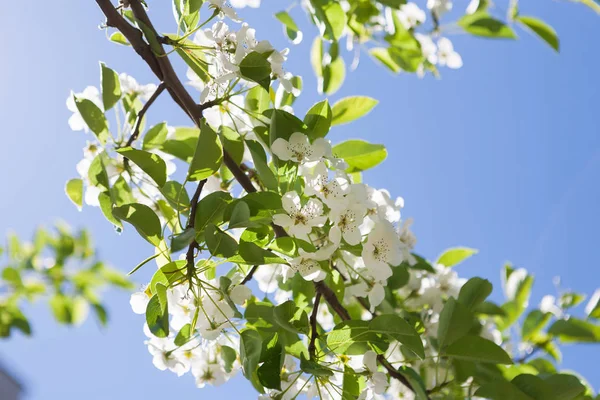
(343, 305)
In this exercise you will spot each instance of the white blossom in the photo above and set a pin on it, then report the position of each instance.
(300, 219)
(410, 15)
(299, 149)
(446, 54)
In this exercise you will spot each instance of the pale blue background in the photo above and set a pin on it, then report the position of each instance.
(502, 155)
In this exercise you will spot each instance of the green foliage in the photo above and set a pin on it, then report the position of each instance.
(454, 256)
(350, 108)
(482, 24)
(256, 68)
(59, 265)
(208, 155)
(148, 162)
(111, 87)
(360, 155)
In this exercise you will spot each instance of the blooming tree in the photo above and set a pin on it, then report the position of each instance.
(275, 260)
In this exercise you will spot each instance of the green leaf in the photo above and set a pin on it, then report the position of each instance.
(143, 219)
(119, 38)
(252, 254)
(482, 24)
(97, 172)
(229, 356)
(176, 195)
(74, 190)
(331, 18)
(283, 124)
(208, 155)
(257, 100)
(211, 209)
(219, 243)
(593, 4)
(415, 381)
(256, 68)
(194, 59)
(392, 3)
(101, 314)
(155, 137)
(269, 373)
(250, 350)
(291, 318)
(408, 59)
(564, 387)
(289, 26)
(313, 367)
(334, 75)
(182, 240)
(350, 386)
(592, 309)
(397, 328)
(93, 117)
(318, 120)
(489, 308)
(121, 192)
(349, 109)
(233, 144)
(534, 322)
(157, 313)
(454, 256)
(150, 163)
(382, 55)
(259, 158)
(359, 154)
(240, 215)
(111, 87)
(478, 349)
(542, 29)
(571, 299)
(574, 330)
(106, 206)
(501, 390)
(61, 308)
(455, 322)
(184, 335)
(316, 56)
(474, 292)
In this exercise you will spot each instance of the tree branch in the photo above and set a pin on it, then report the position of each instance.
(163, 69)
(248, 277)
(332, 299)
(313, 326)
(190, 257)
(138, 122)
(394, 372)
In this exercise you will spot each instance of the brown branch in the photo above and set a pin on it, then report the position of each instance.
(248, 277)
(190, 256)
(332, 299)
(313, 327)
(394, 372)
(163, 69)
(138, 122)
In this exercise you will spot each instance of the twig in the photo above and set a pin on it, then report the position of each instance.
(438, 387)
(190, 256)
(138, 122)
(248, 277)
(163, 69)
(394, 372)
(313, 326)
(528, 355)
(332, 299)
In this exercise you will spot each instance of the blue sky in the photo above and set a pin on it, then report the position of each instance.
(502, 155)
